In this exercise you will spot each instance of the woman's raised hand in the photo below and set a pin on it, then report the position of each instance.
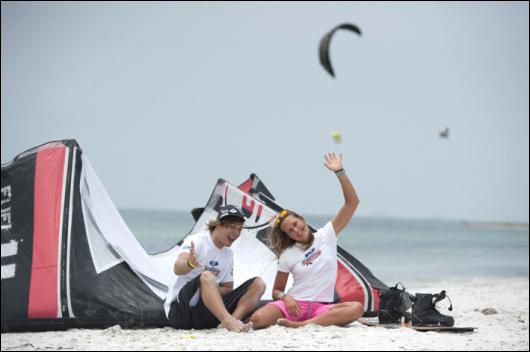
(332, 162)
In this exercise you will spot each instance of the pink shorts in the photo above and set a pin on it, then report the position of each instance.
(308, 309)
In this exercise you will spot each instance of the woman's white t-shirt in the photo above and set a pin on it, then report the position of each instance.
(315, 269)
(220, 262)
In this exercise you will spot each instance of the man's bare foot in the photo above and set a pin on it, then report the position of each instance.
(247, 327)
(236, 326)
(289, 323)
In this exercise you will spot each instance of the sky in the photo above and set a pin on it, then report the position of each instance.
(165, 98)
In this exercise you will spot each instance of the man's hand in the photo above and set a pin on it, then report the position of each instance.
(193, 257)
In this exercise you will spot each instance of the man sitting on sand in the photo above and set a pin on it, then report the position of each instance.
(202, 294)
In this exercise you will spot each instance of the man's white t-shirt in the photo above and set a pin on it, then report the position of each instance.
(315, 269)
(220, 262)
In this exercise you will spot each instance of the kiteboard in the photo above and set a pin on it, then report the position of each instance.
(454, 329)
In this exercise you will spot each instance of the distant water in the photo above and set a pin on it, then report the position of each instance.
(394, 250)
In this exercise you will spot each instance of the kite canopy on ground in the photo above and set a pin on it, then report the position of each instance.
(326, 41)
(70, 261)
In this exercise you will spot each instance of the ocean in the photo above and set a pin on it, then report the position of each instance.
(395, 250)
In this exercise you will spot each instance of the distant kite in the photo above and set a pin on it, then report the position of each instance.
(444, 133)
(325, 42)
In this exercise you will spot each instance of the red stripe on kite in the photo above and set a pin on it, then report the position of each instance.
(347, 286)
(49, 174)
(245, 186)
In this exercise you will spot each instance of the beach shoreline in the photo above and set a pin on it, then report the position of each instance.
(516, 226)
(498, 308)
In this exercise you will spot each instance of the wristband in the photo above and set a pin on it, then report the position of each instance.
(340, 172)
(190, 265)
(281, 295)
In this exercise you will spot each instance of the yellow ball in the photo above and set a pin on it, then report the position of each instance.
(336, 136)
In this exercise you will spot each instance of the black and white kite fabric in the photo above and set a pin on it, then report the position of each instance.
(69, 259)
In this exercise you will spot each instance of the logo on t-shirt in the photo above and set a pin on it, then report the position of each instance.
(311, 256)
(211, 267)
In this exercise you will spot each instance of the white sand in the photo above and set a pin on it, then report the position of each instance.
(506, 330)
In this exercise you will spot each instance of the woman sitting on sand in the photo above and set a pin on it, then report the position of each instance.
(312, 259)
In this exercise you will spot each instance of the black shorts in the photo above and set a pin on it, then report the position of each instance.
(184, 316)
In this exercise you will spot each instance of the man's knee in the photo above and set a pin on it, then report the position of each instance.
(259, 285)
(207, 277)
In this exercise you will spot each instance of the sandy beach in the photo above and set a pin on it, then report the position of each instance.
(507, 329)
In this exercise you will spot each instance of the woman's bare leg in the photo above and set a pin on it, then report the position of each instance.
(266, 316)
(342, 314)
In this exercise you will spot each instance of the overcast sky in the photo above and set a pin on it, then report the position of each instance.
(165, 98)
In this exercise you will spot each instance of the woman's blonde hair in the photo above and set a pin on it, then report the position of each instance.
(279, 241)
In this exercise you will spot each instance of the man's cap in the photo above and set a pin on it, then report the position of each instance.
(230, 211)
